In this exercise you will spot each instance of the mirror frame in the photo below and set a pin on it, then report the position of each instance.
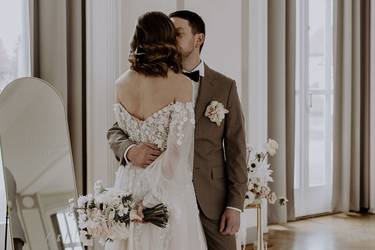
(57, 95)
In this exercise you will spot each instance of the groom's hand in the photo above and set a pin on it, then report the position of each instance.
(143, 154)
(230, 222)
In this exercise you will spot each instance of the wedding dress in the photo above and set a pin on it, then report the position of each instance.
(167, 180)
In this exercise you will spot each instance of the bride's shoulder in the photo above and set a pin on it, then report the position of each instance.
(126, 78)
(184, 88)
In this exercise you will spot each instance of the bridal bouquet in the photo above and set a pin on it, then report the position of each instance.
(107, 214)
(259, 175)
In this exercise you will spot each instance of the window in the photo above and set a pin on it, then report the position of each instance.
(314, 99)
(66, 229)
(14, 41)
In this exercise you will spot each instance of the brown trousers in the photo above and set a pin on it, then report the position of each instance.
(215, 240)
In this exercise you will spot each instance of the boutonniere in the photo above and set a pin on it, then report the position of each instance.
(216, 112)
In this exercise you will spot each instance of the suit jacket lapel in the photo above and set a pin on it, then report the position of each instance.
(206, 89)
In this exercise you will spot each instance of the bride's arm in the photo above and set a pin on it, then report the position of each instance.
(181, 129)
(174, 168)
(180, 138)
(175, 165)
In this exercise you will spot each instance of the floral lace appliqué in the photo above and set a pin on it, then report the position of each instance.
(155, 129)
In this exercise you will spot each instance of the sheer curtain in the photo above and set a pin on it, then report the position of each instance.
(353, 106)
(14, 41)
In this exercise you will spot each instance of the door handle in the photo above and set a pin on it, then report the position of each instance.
(309, 99)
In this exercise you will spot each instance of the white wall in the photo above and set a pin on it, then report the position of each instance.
(130, 11)
(222, 48)
(256, 119)
(102, 70)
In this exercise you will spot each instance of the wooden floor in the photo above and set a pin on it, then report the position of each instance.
(334, 232)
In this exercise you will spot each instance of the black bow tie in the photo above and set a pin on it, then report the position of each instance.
(193, 75)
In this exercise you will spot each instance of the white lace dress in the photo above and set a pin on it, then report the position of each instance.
(168, 179)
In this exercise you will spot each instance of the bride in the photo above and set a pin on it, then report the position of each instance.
(155, 105)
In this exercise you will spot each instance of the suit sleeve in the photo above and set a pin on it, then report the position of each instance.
(119, 142)
(235, 151)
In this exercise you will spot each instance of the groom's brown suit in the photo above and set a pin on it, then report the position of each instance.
(219, 176)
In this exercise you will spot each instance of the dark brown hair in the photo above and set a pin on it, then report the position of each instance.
(195, 21)
(154, 47)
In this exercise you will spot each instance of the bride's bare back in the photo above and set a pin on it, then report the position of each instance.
(142, 96)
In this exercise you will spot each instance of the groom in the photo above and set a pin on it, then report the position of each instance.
(219, 175)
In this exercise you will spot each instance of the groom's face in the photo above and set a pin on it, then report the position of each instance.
(185, 37)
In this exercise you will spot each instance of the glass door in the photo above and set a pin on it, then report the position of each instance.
(314, 100)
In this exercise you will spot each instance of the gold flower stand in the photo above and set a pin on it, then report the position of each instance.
(260, 244)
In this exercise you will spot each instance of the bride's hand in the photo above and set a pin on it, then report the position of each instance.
(143, 154)
(140, 210)
(136, 214)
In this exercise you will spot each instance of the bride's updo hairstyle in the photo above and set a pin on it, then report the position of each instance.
(154, 47)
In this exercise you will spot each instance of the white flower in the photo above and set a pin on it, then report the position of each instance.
(82, 217)
(82, 200)
(272, 198)
(85, 238)
(272, 147)
(89, 198)
(260, 173)
(250, 198)
(264, 191)
(98, 187)
(250, 185)
(257, 187)
(283, 201)
(103, 198)
(111, 215)
(216, 112)
(122, 210)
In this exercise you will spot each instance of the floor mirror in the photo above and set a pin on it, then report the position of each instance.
(37, 177)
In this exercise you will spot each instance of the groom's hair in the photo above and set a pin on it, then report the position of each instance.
(195, 21)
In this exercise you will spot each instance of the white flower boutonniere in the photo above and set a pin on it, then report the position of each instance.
(216, 112)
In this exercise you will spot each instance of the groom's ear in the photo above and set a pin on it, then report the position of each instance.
(199, 40)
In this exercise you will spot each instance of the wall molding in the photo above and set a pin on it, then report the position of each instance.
(102, 70)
